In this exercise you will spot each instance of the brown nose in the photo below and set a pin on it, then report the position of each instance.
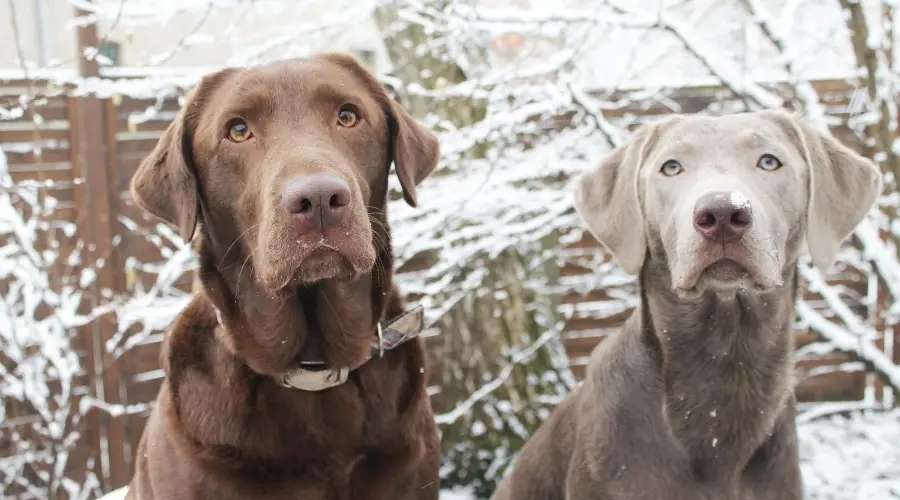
(722, 216)
(319, 200)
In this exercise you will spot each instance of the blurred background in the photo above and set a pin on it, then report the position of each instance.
(524, 95)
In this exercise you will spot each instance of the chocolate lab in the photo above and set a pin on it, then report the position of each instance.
(693, 398)
(295, 372)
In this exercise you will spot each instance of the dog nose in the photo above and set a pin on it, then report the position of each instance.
(722, 216)
(321, 199)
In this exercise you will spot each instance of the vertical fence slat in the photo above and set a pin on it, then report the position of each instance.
(96, 167)
(91, 431)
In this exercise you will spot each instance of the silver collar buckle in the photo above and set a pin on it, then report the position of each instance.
(314, 377)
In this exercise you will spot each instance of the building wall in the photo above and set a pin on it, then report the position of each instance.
(190, 35)
(193, 35)
(59, 43)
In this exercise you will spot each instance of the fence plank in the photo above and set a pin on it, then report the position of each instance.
(92, 430)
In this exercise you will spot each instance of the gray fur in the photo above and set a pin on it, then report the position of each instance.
(693, 398)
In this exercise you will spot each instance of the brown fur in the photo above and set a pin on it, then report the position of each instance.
(222, 428)
(693, 398)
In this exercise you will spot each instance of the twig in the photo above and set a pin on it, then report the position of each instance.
(803, 89)
(823, 410)
(461, 409)
(863, 349)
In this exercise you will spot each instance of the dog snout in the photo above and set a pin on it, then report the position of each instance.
(722, 216)
(320, 200)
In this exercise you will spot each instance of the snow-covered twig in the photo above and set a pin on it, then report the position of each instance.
(43, 314)
(517, 358)
(832, 408)
(844, 341)
(806, 93)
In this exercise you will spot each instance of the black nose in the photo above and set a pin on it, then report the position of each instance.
(722, 216)
(320, 200)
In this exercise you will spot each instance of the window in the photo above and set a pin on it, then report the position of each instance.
(108, 53)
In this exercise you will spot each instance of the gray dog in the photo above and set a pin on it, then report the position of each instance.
(693, 398)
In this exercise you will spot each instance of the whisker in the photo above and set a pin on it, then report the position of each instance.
(336, 315)
(381, 243)
(376, 223)
(378, 210)
(238, 291)
(233, 243)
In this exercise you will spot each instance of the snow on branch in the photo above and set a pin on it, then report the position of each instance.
(516, 176)
(856, 339)
(49, 302)
(807, 95)
(504, 181)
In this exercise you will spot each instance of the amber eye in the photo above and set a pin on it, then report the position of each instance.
(239, 131)
(347, 116)
(768, 163)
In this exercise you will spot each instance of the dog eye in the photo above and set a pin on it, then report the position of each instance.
(347, 116)
(671, 168)
(239, 131)
(768, 163)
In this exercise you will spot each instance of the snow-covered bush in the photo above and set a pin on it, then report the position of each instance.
(524, 95)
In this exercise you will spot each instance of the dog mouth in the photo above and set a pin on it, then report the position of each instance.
(307, 263)
(324, 261)
(290, 252)
(725, 270)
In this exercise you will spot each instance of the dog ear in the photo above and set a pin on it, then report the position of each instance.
(843, 187)
(415, 152)
(165, 184)
(607, 200)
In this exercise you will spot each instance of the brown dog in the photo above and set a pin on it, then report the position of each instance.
(289, 375)
(693, 398)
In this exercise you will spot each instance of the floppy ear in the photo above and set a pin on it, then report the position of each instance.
(606, 199)
(843, 187)
(165, 184)
(415, 151)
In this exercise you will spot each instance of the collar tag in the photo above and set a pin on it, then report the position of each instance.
(403, 328)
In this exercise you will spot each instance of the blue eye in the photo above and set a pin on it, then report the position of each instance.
(671, 168)
(769, 163)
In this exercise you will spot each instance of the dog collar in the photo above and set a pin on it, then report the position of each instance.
(314, 376)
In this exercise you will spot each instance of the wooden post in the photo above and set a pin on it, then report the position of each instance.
(91, 162)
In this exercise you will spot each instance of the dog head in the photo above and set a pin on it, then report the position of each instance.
(289, 163)
(725, 201)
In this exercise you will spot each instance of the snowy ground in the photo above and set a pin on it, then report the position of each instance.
(843, 458)
(855, 458)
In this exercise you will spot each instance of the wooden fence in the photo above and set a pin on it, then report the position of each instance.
(89, 148)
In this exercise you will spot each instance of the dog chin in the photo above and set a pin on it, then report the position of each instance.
(723, 276)
(322, 263)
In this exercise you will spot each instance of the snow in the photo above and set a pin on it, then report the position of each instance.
(640, 29)
(118, 494)
(563, 57)
(456, 494)
(852, 457)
